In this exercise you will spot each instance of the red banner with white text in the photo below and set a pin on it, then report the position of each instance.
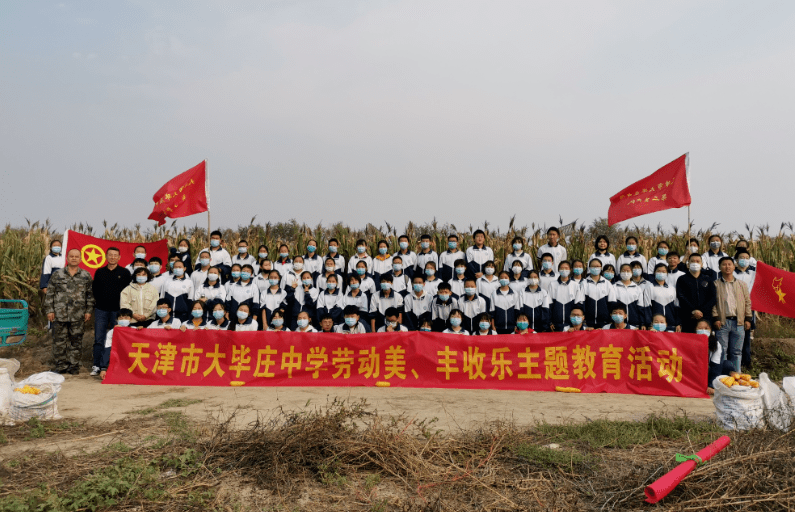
(630, 362)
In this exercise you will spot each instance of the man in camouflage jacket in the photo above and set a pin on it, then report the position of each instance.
(68, 305)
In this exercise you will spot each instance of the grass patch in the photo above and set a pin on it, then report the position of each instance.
(171, 403)
(178, 425)
(774, 360)
(550, 456)
(624, 434)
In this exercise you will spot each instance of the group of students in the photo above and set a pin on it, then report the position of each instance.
(454, 291)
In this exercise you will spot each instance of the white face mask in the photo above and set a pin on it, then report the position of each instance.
(695, 267)
(626, 276)
(298, 266)
(517, 270)
(489, 271)
(532, 281)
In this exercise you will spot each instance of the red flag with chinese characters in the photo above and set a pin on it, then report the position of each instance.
(182, 196)
(666, 188)
(773, 291)
(93, 250)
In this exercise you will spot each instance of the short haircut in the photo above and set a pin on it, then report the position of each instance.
(694, 255)
(155, 259)
(459, 262)
(327, 316)
(117, 249)
(386, 278)
(391, 312)
(478, 232)
(631, 237)
(662, 242)
(425, 237)
(672, 253)
(725, 258)
(445, 286)
(163, 302)
(484, 317)
(636, 264)
(578, 308)
(144, 271)
(216, 233)
(740, 252)
(661, 266)
(350, 310)
(124, 311)
(715, 236)
(452, 235)
(243, 242)
(247, 266)
(553, 228)
(205, 252)
(619, 307)
(401, 237)
(360, 241)
(136, 248)
(333, 240)
(517, 239)
(692, 240)
(418, 276)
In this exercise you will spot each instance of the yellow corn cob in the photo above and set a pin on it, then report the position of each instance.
(728, 381)
(566, 390)
(745, 376)
(754, 384)
(28, 390)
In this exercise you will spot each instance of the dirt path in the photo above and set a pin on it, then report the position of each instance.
(83, 397)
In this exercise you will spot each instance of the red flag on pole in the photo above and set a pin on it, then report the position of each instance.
(182, 196)
(773, 291)
(93, 251)
(666, 188)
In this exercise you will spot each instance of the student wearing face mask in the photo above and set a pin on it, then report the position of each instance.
(663, 299)
(392, 322)
(504, 305)
(711, 258)
(401, 282)
(659, 324)
(609, 273)
(244, 258)
(553, 248)
(695, 293)
(313, 263)
(619, 318)
(198, 319)
(234, 278)
(742, 245)
(185, 255)
(52, 262)
(639, 278)
(244, 292)
(159, 277)
(459, 276)
(360, 256)
(408, 258)
(211, 291)
(578, 275)
(219, 257)
(302, 323)
(660, 257)
(329, 268)
(478, 254)
(140, 298)
(485, 326)
(245, 321)
(123, 319)
(518, 254)
(518, 281)
(684, 265)
(283, 263)
(139, 253)
(278, 322)
(262, 255)
(432, 281)
(489, 281)
(354, 296)
(417, 304)
(745, 271)
(272, 298)
(577, 321)
(333, 253)
(563, 295)
(218, 320)
(548, 275)
(632, 253)
(179, 292)
(351, 323)
(367, 284)
(292, 279)
(523, 325)
(441, 306)
(674, 270)
(332, 301)
(598, 295)
(448, 258)
(304, 299)
(633, 298)
(382, 262)
(163, 319)
(472, 304)
(386, 298)
(535, 303)
(602, 252)
(425, 255)
(199, 275)
(455, 323)
(717, 364)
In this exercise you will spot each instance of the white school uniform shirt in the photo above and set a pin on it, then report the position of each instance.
(242, 292)
(314, 263)
(628, 258)
(309, 328)
(472, 308)
(366, 284)
(566, 293)
(273, 301)
(712, 261)
(159, 281)
(176, 287)
(223, 326)
(291, 277)
(248, 259)
(448, 259)
(356, 258)
(673, 277)
(606, 259)
(329, 300)
(633, 292)
(400, 283)
(160, 324)
(198, 277)
(418, 305)
(53, 263)
(545, 281)
(423, 259)
(382, 267)
(282, 268)
(431, 287)
(479, 256)
(400, 328)
(272, 329)
(441, 310)
(339, 262)
(628, 327)
(485, 286)
(217, 292)
(450, 331)
(662, 295)
(505, 300)
(188, 324)
(748, 276)
(457, 285)
(380, 303)
(261, 282)
(409, 259)
(524, 257)
(518, 285)
(250, 325)
(229, 284)
(558, 253)
(300, 293)
(321, 281)
(217, 257)
(356, 329)
(653, 262)
(361, 301)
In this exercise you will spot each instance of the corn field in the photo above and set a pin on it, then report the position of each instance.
(24, 248)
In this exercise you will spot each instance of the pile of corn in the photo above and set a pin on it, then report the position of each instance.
(739, 379)
(28, 390)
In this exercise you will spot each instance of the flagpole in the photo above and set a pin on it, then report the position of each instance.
(207, 194)
(687, 173)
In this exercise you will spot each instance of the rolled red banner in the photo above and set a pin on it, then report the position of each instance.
(666, 483)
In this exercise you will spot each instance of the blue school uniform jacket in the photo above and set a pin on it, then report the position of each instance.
(563, 296)
(598, 297)
(535, 304)
(637, 302)
(504, 307)
(663, 302)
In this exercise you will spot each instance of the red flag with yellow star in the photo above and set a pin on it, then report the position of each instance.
(93, 250)
(773, 291)
(183, 195)
(665, 188)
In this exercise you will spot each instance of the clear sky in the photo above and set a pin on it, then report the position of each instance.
(378, 111)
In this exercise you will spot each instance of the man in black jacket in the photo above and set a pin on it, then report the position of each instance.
(109, 281)
(696, 294)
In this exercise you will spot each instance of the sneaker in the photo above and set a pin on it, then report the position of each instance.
(94, 371)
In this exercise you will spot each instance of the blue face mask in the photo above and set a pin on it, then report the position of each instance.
(522, 325)
(242, 315)
(425, 245)
(382, 250)
(504, 282)
(546, 265)
(263, 255)
(609, 276)
(595, 271)
(429, 271)
(484, 326)
(162, 313)
(564, 273)
(205, 262)
(617, 318)
(154, 269)
(417, 288)
(56, 249)
(517, 247)
(196, 313)
(215, 243)
(332, 249)
(705, 332)
(245, 276)
(331, 286)
(636, 272)
(361, 249)
(306, 282)
(361, 271)
(455, 322)
(170, 264)
(460, 270)
(577, 271)
(660, 276)
(350, 321)
(218, 314)
(235, 275)
(404, 245)
(123, 323)
(662, 251)
(179, 272)
(354, 286)
(273, 282)
(575, 320)
(659, 327)
(284, 255)
(242, 250)
(452, 245)
(631, 247)
(742, 262)
(470, 291)
(386, 286)
(310, 249)
(397, 267)
(443, 297)
(277, 322)
(425, 329)
(140, 279)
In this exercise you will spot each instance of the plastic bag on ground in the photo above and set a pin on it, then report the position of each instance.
(778, 411)
(12, 365)
(6, 389)
(789, 388)
(43, 406)
(738, 407)
(37, 379)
